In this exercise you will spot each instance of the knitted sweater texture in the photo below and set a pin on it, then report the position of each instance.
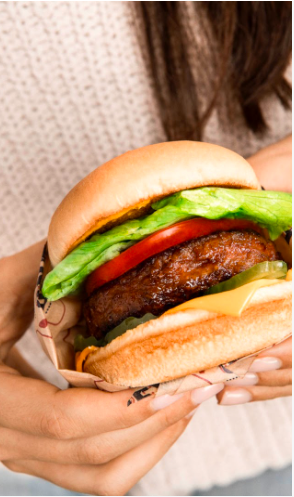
(76, 91)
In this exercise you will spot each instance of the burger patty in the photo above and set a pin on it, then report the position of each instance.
(175, 276)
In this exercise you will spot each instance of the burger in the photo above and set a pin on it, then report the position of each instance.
(181, 261)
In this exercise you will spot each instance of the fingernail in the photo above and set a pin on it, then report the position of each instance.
(233, 397)
(164, 401)
(265, 364)
(246, 381)
(191, 414)
(200, 395)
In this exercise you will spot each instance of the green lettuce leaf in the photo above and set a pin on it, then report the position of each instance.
(271, 210)
(70, 273)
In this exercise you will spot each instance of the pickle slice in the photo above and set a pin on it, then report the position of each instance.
(81, 342)
(263, 270)
(129, 323)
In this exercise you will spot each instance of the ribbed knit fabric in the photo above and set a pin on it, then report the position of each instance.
(75, 92)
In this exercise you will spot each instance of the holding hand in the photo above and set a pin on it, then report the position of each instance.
(269, 377)
(85, 440)
(273, 165)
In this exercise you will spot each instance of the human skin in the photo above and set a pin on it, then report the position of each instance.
(88, 440)
(85, 440)
(271, 373)
(273, 165)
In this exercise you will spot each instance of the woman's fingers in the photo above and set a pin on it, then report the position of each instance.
(280, 378)
(16, 294)
(16, 361)
(114, 478)
(73, 413)
(108, 446)
(97, 450)
(94, 450)
(142, 459)
(102, 448)
(269, 377)
(277, 357)
(47, 411)
(88, 451)
(232, 396)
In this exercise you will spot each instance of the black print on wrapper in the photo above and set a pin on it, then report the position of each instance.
(225, 369)
(143, 393)
(41, 300)
(288, 235)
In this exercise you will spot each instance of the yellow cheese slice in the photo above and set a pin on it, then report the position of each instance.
(289, 275)
(232, 302)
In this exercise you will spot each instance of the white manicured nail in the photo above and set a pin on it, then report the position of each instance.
(202, 394)
(164, 401)
(263, 364)
(246, 381)
(233, 397)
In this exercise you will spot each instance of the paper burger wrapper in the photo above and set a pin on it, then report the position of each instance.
(57, 323)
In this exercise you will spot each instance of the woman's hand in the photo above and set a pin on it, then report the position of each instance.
(269, 377)
(273, 165)
(18, 277)
(85, 440)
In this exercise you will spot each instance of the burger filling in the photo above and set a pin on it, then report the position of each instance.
(173, 276)
(191, 243)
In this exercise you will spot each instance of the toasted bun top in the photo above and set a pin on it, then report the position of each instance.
(133, 180)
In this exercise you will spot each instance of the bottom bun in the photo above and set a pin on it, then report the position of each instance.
(178, 344)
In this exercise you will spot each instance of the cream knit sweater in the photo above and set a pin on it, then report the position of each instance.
(74, 93)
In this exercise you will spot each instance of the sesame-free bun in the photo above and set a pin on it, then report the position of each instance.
(190, 341)
(133, 180)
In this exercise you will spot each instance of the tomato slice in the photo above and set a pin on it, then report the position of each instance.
(158, 242)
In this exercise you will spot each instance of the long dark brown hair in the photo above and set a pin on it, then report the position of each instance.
(216, 55)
